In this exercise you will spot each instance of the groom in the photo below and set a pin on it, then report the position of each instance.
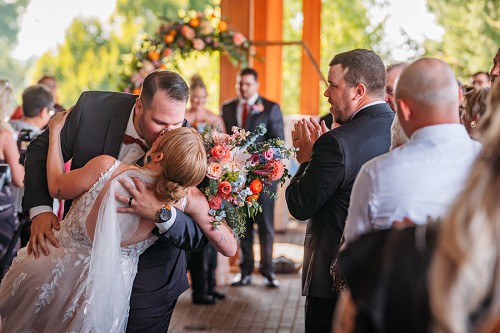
(123, 126)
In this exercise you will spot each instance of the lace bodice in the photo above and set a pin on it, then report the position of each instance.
(80, 283)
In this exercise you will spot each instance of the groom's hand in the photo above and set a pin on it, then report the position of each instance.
(41, 228)
(142, 200)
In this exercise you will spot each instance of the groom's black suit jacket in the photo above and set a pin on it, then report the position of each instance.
(95, 127)
(320, 190)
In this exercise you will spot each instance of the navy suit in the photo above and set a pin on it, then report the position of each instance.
(320, 191)
(95, 127)
(273, 119)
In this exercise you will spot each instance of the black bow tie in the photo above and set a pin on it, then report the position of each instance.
(128, 140)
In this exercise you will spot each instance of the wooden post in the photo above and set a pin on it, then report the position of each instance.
(268, 26)
(239, 13)
(309, 96)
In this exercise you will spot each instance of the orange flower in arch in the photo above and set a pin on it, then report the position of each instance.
(168, 38)
(222, 26)
(136, 91)
(256, 186)
(153, 55)
(194, 22)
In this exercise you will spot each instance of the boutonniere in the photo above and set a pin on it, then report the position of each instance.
(257, 107)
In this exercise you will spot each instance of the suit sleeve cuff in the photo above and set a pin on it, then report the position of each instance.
(39, 210)
(165, 226)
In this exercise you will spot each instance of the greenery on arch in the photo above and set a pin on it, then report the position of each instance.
(192, 32)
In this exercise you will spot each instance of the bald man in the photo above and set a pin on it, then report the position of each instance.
(421, 178)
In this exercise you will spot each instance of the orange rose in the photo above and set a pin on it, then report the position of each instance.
(173, 33)
(153, 55)
(166, 52)
(252, 198)
(136, 91)
(194, 22)
(224, 189)
(168, 38)
(222, 26)
(256, 186)
(220, 152)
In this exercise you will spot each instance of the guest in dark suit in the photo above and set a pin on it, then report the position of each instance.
(248, 111)
(97, 125)
(329, 162)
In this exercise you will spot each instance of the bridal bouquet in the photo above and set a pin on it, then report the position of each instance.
(239, 170)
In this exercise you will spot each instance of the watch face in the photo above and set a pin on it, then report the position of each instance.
(164, 214)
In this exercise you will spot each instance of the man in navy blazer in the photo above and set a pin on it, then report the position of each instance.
(248, 111)
(96, 126)
(329, 162)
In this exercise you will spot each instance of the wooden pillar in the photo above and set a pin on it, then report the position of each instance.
(239, 13)
(310, 82)
(267, 60)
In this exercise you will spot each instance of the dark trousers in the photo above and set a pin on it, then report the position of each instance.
(319, 314)
(151, 320)
(201, 266)
(265, 224)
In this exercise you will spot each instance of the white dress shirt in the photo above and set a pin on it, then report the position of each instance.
(239, 109)
(417, 180)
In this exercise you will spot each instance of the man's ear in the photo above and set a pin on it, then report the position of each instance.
(404, 110)
(360, 91)
(44, 113)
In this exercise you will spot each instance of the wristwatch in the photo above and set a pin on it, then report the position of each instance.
(164, 214)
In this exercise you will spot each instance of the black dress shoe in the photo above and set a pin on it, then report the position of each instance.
(203, 299)
(241, 280)
(271, 281)
(218, 295)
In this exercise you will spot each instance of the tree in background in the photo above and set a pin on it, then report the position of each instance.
(472, 34)
(10, 14)
(345, 25)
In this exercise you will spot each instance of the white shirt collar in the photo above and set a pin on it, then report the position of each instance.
(130, 130)
(431, 132)
(250, 101)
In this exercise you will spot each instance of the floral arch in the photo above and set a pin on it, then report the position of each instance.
(192, 31)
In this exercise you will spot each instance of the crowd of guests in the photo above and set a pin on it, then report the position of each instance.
(398, 184)
(401, 199)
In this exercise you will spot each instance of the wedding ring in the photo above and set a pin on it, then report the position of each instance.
(130, 201)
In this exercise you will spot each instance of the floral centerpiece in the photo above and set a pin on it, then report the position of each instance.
(191, 31)
(239, 170)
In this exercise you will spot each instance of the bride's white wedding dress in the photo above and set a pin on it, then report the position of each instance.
(82, 286)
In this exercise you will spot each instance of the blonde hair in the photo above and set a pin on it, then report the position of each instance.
(196, 82)
(466, 267)
(184, 163)
(6, 99)
(475, 103)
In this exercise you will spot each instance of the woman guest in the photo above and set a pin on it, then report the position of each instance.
(9, 154)
(474, 107)
(197, 115)
(202, 264)
(464, 280)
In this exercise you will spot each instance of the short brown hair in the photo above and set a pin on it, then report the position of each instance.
(184, 163)
(168, 82)
(363, 66)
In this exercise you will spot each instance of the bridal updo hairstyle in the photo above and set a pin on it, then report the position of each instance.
(184, 163)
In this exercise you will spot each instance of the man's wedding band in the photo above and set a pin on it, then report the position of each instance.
(130, 201)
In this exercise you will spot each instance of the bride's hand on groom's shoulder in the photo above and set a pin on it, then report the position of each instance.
(142, 200)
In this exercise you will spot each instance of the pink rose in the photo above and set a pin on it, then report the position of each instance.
(268, 154)
(221, 138)
(215, 202)
(214, 170)
(198, 44)
(187, 32)
(254, 159)
(238, 39)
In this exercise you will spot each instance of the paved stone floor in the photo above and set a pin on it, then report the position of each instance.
(255, 308)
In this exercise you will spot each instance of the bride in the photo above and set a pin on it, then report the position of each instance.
(85, 284)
